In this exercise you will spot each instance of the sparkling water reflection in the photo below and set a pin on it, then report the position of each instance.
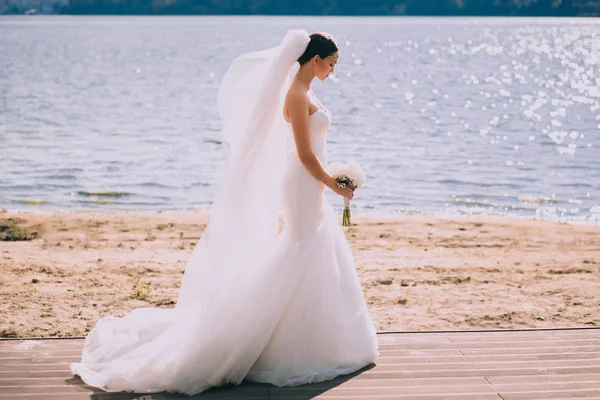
(444, 114)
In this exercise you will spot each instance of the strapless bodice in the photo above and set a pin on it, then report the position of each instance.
(319, 125)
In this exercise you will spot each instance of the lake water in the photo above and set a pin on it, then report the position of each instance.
(449, 115)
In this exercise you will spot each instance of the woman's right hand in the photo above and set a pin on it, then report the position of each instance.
(347, 192)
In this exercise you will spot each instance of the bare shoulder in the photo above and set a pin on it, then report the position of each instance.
(296, 96)
(296, 100)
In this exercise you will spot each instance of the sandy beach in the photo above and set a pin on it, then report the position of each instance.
(419, 272)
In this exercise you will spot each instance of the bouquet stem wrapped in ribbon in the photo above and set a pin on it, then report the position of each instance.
(346, 215)
(347, 175)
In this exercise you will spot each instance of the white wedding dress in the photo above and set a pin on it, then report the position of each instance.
(289, 313)
(325, 329)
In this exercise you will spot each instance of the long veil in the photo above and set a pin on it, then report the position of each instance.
(244, 218)
(223, 316)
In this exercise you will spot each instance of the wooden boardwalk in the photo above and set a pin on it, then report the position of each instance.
(557, 364)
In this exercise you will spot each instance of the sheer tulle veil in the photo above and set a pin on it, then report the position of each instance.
(244, 218)
(222, 318)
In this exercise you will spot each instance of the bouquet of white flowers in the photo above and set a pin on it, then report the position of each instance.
(347, 175)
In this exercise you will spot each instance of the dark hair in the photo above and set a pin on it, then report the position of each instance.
(320, 44)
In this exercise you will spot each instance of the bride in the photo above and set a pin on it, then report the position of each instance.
(260, 303)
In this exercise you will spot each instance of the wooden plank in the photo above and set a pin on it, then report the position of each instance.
(540, 395)
(374, 374)
(33, 353)
(32, 374)
(13, 374)
(521, 338)
(537, 350)
(573, 398)
(497, 380)
(503, 335)
(548, 387)
(326, 396)
(41, 345)
(433, 347)
(526, 392)
(36, 360)
(35, 367)
(46, 389)
(536, 364)
(492, 365)
(30, 381)
(422, 360)
(128, 396)
(396, 383)
(20, 344)
(540, 357)
(52, 389)
(77, 347)
(528, 344)
(420, 346)
(359, 392)
(418, 367)
(491, 358)
(523, 343)
(590, 331)
(413, 339)
(49, 352)
(483, 339)
(420, 353)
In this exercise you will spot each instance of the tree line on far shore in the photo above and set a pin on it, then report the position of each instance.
(336, 7)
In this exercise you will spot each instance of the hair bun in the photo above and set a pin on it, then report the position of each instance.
(321, 44)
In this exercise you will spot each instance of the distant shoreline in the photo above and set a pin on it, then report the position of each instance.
(402, 17)
(577, 15)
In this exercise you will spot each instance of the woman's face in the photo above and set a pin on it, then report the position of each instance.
(325, 66)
